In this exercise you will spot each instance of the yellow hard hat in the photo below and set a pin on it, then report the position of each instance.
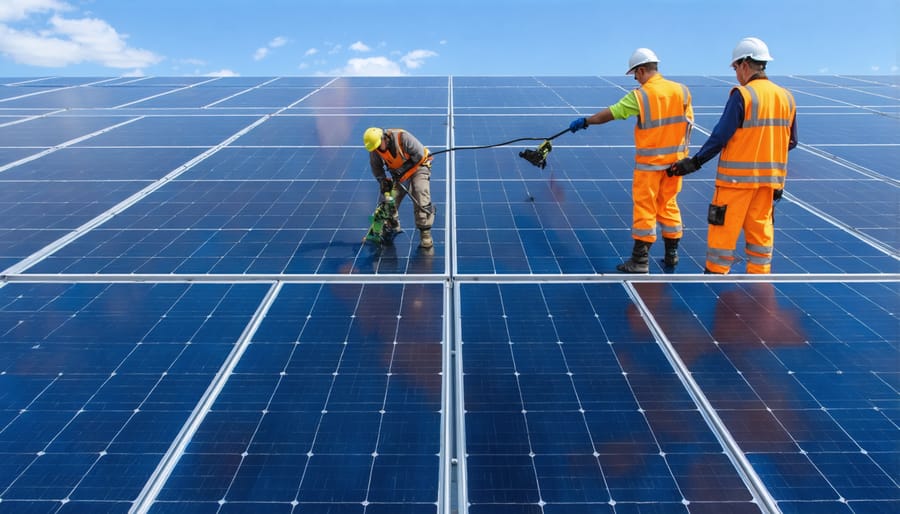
(372, 138)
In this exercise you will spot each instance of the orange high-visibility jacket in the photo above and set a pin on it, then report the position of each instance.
(663, 130)
(395, 162)
(757, 153)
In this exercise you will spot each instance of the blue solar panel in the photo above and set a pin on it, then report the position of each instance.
(789, 380)
(52, 131)
(542, 431)
(91, 412)
(350, 419)
(576, 389)
(199, 96)
(103, 165)
(173, 131)
(341, 129)
(249, 227)
(273, 97)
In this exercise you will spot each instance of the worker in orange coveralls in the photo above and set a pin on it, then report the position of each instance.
(661, 137)
(754, 134)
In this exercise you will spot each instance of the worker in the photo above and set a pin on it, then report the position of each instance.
(755, 132)
(661, 137)
(397, 158)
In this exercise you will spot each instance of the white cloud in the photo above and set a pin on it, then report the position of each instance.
(99, 42)
(370, 66)
(335, 49)
(263, 51)
(359, 46)
(71, 41)
(442, 42)
(14, 10)
(894, 68)
(876, 68)
(223, 73)
(66, 41)
(310, 52)
(416, 58)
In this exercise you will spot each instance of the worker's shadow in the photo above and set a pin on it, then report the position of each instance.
(378, 259)
(421, 262)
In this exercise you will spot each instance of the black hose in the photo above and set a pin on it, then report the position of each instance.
(500, 144)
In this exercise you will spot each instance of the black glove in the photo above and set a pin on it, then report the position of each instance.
(386, 185)
(408, 165)
(777, 194)
(683, 167)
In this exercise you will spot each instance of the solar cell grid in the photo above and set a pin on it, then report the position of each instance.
(579, 437)
(269, 96)
(85, 426)
(786, 418)
(102, 165)
(202, 131)
(349, 419)
(46, 131)
(569, 393)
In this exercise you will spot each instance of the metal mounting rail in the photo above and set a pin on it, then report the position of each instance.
(162, 472)
(760, 493)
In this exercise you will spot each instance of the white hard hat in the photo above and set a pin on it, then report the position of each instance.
(753, 48)
(639, 57)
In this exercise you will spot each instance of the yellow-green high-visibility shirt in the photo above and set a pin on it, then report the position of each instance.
(626, 107)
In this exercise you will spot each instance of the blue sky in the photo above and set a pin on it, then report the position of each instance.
(438, 37)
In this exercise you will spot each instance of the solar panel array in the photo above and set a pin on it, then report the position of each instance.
(189, 321)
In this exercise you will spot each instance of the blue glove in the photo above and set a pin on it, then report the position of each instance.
(580, 123)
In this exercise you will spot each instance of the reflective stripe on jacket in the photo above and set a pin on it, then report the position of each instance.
(663, 130)
(757, 153)
(395, 162)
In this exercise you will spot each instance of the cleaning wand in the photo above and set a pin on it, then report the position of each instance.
(538, 157)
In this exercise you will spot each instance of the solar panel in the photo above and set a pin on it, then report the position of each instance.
(591, 434)
(795, 369)
(91, 412)
(191, 322)
(348, 413)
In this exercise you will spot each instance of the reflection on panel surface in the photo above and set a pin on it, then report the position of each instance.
(97, 380)
(195, 196)
(334, 407)
(570, 404)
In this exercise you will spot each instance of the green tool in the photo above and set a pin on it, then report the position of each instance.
(384, 225)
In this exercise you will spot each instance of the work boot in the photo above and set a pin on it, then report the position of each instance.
(425, 240)
(640, 259)
(395, 224)
(671, 258)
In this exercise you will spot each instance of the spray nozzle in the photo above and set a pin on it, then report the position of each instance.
(538, 157)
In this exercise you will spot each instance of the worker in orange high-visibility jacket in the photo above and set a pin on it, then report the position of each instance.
(661, 137)
(754, 134)
(395, 155)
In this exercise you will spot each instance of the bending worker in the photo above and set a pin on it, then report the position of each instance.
(661, 137)
(754, 134)
(396, 156)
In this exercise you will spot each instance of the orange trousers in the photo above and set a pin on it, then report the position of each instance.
(749, 210)
(654, 195)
